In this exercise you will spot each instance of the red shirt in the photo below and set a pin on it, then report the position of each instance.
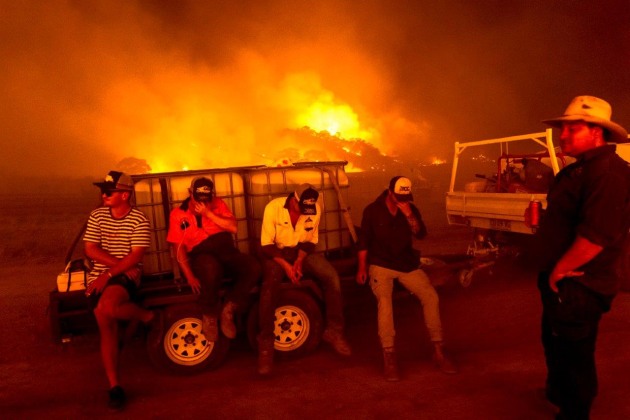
(183, 227)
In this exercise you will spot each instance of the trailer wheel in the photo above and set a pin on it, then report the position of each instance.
(298, 324)
(465, 277)
(180, 347)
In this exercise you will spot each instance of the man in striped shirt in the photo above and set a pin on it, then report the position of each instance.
(116, 239)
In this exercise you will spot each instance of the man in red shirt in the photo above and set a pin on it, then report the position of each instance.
(200, 234)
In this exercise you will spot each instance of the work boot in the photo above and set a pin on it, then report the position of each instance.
(442, 361)
(227, 320)
(336, 339)
(117, 398)
(390, 364)
(265, 356)
(209, 327)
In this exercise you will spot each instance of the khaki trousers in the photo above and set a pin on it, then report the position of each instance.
(418, 283)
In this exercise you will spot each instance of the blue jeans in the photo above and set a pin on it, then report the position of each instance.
(314, 266)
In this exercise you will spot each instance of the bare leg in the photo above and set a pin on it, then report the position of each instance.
(114, 305)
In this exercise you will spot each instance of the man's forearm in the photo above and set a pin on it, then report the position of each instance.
(581, 252)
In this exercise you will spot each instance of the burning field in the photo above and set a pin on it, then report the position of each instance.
(128, 87)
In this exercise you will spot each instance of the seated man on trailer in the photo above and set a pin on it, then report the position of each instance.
(115, 240)
(289, 235)
(200, 234)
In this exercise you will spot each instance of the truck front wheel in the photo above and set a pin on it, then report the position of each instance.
(180, 347)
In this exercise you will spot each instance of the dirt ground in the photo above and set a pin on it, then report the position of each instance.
(492, 330)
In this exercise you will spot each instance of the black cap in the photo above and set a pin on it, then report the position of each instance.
(307, 198)
(401, 187)
(202, 189)
(115, 180)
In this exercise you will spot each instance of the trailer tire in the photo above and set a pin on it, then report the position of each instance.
(298, 326)
(179, 346)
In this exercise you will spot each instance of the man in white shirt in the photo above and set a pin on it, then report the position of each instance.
(288, 238)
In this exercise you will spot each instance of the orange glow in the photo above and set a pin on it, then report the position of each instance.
(437, 161)
(187, 119)
(335, 119)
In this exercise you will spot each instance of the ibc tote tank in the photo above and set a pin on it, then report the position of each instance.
(265, 184)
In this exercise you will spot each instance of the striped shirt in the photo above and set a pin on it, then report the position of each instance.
(116, 236)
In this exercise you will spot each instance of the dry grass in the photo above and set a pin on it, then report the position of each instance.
(40, 229)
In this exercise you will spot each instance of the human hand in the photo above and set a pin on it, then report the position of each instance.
(297, 269)
(134, 274)
(98, 285)
(194, 284)
(361, 277)
(290, 272)
(404, 207)
(200, 208)
(557, 275)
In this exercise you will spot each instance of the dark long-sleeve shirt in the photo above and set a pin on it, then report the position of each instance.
(589, 198)
(388, 238)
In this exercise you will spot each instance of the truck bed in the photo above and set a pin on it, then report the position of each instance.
(495, 211)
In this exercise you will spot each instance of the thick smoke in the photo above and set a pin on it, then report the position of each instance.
(86, 85)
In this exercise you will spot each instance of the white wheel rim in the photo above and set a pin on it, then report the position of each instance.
(291, 328)
(185, 344)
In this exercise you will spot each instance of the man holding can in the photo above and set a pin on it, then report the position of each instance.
(578, 244)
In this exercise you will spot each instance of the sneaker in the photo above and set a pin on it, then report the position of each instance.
(209, 327)
(445, 364)
(337, 341)
(117, 398)
(227, 320)
(390, 365)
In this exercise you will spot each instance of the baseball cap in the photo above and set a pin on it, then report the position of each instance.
(307, 198)
(401, 187)
(202, 189)
(115, 180)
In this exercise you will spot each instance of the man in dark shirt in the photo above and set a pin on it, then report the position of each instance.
(578, 244)
(386, 253)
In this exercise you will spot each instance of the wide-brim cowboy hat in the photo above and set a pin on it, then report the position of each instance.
(595, 111)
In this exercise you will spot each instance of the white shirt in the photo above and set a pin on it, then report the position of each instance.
(277, 228)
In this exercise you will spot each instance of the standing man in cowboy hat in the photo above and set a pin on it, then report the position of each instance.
(386, 253)
(578, 244)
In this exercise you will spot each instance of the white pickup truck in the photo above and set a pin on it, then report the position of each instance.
(494, 206)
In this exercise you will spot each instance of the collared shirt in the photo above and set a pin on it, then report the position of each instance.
(183, 228)
(388, 238)
(589, 198)
(278, 230)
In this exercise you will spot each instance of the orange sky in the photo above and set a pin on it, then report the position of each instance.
(188, 85)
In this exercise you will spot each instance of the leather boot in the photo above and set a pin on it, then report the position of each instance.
(442, 361)
(227, 320)
(335, 338)
(209, 327)
(390, 364)
(265, 356)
